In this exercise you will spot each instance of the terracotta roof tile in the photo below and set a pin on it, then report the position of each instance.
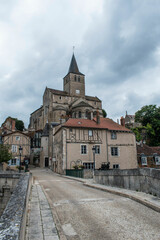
(58, 92)
(105, 123)
(147, 150)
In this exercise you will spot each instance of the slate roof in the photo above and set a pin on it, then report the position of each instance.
(46, 130)
(73, 68)
(105, 123)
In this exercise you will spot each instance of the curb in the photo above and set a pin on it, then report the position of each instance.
(137, 199)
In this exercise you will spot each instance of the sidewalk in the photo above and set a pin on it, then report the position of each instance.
(40, 220)
(146, 199)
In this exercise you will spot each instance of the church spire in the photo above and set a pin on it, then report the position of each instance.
(73, 68)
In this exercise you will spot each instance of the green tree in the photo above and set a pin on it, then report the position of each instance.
(104, 113)
(19, 125)
(5, 155)
(149, 117)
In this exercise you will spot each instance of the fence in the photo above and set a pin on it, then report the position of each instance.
(75, 173)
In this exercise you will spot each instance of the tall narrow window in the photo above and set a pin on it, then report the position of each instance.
(79, 79)
(14, 148)
(83, 149)
(75, 78)
(90, 133)
(97, 149)
(79, 114)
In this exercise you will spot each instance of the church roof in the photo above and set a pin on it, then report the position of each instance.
(58, 92)
(90, 98)
(73, 68)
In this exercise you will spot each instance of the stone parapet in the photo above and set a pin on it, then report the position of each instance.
(13, 219)
(145, 180)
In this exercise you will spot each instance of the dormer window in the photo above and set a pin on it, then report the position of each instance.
(157, 159)
(143, 160)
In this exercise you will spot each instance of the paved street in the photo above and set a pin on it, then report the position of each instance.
(84, 213)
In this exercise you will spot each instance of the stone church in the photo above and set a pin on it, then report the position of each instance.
(72, 102)
(69, 103)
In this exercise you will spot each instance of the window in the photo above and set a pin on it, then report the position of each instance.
(157, 160)
(113, 135)
(90, 133)
(79, 79)
(77, 91)
(114, 151)
(75, 78)
(60, 97)
(70, 129)
(17, 138)
(88, 165)
(79, 114)
(115, 166)
(97, 149)
(143, 160)
(83, 149)
(13, 161)
(14, 148)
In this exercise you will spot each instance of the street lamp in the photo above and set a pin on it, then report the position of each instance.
(94, 151)
(20, 153)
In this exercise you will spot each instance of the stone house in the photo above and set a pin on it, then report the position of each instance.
(75, 139)
(148, 156)
(130, 121)
(8, 126)
(15, 140)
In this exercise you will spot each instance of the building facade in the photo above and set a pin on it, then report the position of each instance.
(75, 139)
(15, 140)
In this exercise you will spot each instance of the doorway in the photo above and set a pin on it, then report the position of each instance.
(46, 162)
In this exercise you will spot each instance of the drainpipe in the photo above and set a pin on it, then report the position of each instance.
(107, 147)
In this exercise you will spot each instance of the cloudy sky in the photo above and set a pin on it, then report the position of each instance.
(117, 47)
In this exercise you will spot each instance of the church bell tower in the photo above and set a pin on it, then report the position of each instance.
(74, 81)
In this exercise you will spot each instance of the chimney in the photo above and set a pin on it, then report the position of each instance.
(122, 121)
(13, 125)
(98, 117)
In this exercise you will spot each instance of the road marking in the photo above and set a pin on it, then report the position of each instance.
(81, 201)
(68, 230)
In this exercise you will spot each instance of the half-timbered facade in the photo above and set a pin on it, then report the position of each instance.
(75, 139)
(15, 140)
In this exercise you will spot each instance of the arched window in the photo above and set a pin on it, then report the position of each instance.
(79, 79)
(86, 114)
(75, 78)
(79, 114)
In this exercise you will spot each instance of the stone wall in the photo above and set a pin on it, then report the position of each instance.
(13, 219)
(145, 180)
(7, 183)
(88, 173)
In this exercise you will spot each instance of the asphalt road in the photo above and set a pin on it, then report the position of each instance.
(90, 214)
